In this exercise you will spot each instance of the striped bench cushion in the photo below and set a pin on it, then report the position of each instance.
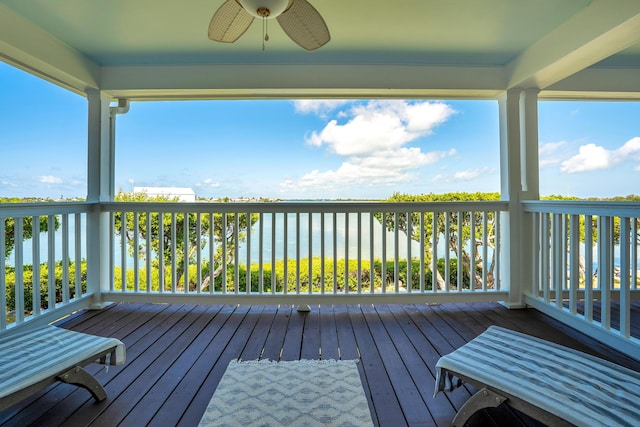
(29, 356)
(577, 387)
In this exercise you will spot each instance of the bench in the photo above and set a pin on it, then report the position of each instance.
(553, 384)
(33, 358)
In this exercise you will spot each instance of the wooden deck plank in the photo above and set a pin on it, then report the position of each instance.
(310, 346)
(149, 348)
(219, 333)
(328, 333)
(388, 410)
(176, 356)
(275, 338)
(420, 359)
(292, 344)
(231, 351)
(162, 390)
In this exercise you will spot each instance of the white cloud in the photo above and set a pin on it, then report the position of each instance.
(463, 175)
(373, 141)
(319, 107)
(594, 157)
(548, 153)
(49, 179)
(210, 183)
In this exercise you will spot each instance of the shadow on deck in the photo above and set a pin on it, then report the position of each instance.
(176, 355)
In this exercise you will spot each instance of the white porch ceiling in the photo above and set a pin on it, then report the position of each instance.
(158, 49)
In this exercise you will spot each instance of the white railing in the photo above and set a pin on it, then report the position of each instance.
(585, 266)
(43, 246)
(331, 252)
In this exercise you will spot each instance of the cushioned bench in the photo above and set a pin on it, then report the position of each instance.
(33, 358)
(554, 384)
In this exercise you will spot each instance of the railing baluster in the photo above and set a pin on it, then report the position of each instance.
(485, 229)
(65, 259)
(174, 262)
(148, 250)
(372, 263)
(396, 254)
(635, 241)
(422, 251)
(3, 275)
(185, 253)
(497, 249)
(198, 252)
(285, 230)
(384, 252)
(236, 250)
(409, 283)
(322, 257)
(224, 252)
(434, 251)
(19, 268)
(274, 281)
(359, 252)
(472, 251)
(546, 253)
(625, 289)
(260, 251)
(51, 262)
(136, 251)
(574, 262)
(123, 250)
(77, 225)
(248, 263)
(334, 235)
(447, 251)
(212, 252)
(605, 268)
(310, 253)
(161, 265)
(35, 251)
(297, 253)
(558, 250)
(588, 274)
(460, 273)
(346, 252)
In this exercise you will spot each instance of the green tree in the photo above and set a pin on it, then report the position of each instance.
(27, 226)
(224, 229)
(464, 231)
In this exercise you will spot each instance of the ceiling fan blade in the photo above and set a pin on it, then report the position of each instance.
(304, 25)
(229, 22)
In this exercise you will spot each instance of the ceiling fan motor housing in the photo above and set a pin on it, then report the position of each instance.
(265, 9)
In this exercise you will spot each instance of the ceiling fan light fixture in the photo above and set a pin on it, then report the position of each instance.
(266, 9)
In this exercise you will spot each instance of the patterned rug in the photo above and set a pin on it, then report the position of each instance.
(297, 393)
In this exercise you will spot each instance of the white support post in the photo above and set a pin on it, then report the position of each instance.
(100, 177)
(528, 242)
(510, 190)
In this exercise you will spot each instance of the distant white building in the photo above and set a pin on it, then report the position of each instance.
(184, 194)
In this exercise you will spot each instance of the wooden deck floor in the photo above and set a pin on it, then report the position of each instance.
(176, 355)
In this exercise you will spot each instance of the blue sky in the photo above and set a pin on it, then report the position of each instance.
(308, 149)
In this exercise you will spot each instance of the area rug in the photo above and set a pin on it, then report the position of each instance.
(297, 393)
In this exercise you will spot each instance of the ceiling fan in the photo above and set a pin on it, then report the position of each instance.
(298, 18)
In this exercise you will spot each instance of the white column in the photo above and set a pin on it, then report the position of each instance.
(529, 242)
(519, 180)
(510, 190)
(100, 175)
(529, 144)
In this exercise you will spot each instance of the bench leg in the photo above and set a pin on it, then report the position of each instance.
(484, 398)
(80, 377)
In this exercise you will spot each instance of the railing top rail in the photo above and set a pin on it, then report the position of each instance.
(312, 206)
(583, 207)
(8, 210)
